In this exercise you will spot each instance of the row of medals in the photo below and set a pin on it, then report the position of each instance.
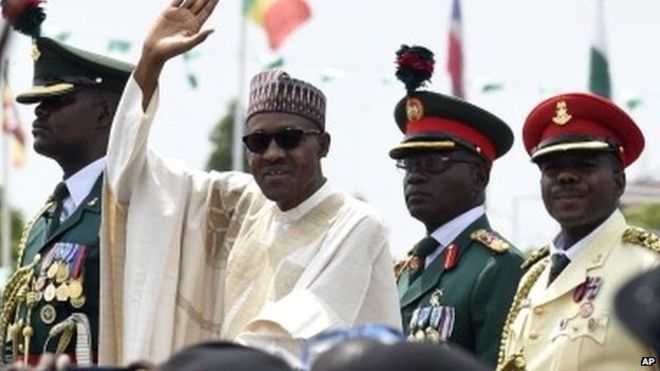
(56, 284)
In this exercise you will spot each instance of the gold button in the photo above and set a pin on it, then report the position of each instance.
(534, 335)
(539, 310)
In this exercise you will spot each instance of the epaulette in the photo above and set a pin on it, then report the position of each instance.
(490, 240)
(535, 256)
(641, 237)
(399, 267)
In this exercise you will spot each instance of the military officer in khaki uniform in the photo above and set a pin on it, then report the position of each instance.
(562, 317)
(457, 283)
(51, 302)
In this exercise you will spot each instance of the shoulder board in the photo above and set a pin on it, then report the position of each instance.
(535, 256)
(490, 240)
(641, 237)
(401, 265)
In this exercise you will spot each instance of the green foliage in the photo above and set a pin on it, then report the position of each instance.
(16, 225)
(221, 137)
(643, 215)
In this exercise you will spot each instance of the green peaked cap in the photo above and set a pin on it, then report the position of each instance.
(60, 69)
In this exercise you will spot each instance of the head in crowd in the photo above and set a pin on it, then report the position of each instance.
(286, 137)
(448, 148)
(76, 93)
(581, 143)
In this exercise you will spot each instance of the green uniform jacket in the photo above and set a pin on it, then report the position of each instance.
(82, 227)
(479, 288)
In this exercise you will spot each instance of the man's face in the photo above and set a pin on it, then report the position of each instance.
(288, 176)
(438, 186)
(580, 188)
(65, 124)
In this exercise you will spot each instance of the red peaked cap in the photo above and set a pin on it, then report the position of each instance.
(581, 121)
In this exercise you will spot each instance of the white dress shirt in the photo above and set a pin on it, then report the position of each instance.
(572, 252)
(79, 186)
(448, 232)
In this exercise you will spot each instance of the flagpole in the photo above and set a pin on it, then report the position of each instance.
(5, 226)
(237, 154)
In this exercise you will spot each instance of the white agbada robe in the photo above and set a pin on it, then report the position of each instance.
(189, 256)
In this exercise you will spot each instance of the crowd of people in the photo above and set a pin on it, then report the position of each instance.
(138, 263)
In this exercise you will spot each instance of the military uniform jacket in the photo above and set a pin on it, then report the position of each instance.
(80, 229)
(474, 296)
(570, 324)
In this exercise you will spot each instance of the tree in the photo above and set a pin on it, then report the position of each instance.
(16, 224)
(221, 137)
(645, 215)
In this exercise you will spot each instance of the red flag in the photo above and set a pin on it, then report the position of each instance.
(278, 17)
(11, 125)
(455, 52)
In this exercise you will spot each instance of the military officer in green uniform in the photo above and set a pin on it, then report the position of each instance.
(458, 282)
(51, 302)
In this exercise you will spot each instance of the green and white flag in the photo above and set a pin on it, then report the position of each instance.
(599, 71)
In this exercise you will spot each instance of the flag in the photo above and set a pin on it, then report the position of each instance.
(599, 72)
(11, 125)
(455, 52)
(278, 17)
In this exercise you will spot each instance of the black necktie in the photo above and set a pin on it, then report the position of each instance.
(557, 264)
(424, 248)
(61, 192)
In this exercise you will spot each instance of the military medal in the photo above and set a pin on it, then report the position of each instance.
(578, 293)
(593, 286)
(586, 309)
(52, 270)
(424, 315)
(49, 294)
(436, 297)
(451, 256)
(413, 320)
(62, 272)
(47, 314)
(446, 326)
(75, 288)
(62, 292)
(432, 335)
(77, 302)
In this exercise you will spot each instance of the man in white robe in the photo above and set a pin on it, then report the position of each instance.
(267, 260)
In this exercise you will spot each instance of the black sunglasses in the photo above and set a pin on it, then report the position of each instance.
(286, 139)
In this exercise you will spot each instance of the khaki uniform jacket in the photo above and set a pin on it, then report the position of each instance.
(559, 329)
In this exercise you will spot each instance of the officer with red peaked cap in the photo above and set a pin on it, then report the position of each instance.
(561, 318)
(457, 283)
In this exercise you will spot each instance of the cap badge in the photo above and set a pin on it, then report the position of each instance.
(414, 109)
(35, 53)
(561, 113)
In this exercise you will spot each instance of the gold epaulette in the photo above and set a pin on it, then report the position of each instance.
(490, 240)
(535, 256)
(641, 237)
(401, 265)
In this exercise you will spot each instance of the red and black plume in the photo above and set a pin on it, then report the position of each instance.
(25, 16)
(414, 66)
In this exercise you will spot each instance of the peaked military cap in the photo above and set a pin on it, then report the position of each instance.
(581, 121)
(437, 122)
(433, 121)
(60, 69)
